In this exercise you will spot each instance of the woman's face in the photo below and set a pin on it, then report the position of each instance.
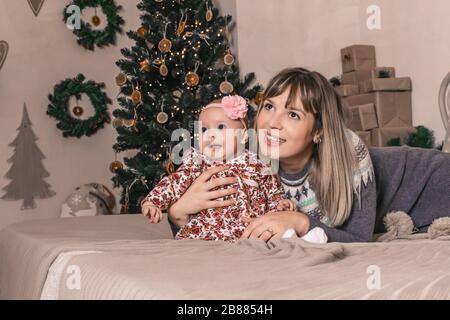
(286, 131)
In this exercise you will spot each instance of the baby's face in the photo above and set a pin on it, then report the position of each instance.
(219, 134)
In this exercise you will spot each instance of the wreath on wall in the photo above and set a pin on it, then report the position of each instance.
(88, 37)
(59, 106)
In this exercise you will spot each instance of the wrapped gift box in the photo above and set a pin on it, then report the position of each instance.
(386, 84)
(358, 57)
(347, 90)
(365, 136)
(381, 136)
(393, 109)
(358, 76)
(364, 117)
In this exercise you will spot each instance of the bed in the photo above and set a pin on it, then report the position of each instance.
(125, 257)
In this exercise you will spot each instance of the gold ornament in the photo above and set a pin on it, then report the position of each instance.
(189, 34)
(96, 20)
(228, 59)
(209, 15)
(121, 79)
(165, 45)
(169, 167)
(181, 25)
(136, 96)
(77, 111)
(115, 166)
(117, 123)
(162, 117)
(142, 31)
(129, 123)
(144, 65)
(163, 70)
(192, 79)
(226, 87)
(258, 98)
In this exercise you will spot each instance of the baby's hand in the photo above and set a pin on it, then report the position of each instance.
(151, 212)
(286, 205)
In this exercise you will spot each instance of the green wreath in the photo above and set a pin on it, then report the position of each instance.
(59, 101)
(87, 37)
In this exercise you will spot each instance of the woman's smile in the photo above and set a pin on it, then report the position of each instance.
(273, 140)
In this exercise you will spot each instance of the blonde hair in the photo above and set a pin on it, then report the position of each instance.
(334, 159)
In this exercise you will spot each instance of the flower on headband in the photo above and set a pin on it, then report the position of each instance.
(235, 107)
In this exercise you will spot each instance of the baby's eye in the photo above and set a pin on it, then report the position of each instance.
(294, 116)
(221, 126)
(204, 129)
(268, 106)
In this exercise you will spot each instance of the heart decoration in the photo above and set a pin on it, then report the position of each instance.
(36, 5)
(3, 52)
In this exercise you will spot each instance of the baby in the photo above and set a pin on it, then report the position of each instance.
(258, 191)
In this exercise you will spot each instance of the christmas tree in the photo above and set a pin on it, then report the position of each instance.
(27, 172)
(181, 61)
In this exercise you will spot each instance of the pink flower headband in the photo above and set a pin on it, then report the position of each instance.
(235, 107)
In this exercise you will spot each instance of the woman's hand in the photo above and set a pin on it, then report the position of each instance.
(200, 196)
(272, 226)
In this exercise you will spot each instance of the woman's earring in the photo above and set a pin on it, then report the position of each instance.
(317, 140)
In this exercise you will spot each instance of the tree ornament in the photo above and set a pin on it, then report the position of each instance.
(121, 79)
(163, 70)
(258, 98)
(181, 25)
(165, 45)
(209, 13)
(226, 87)
(144, 65)
(142, 31)
(115, 166)
(162, 117)
(129, 123)
(228, 59)
(95, 19)
(59, 106)
(117, 123)
(136, 96)
(77, 111)
(192, 79)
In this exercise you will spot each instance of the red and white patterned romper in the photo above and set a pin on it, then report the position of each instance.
(258, 192)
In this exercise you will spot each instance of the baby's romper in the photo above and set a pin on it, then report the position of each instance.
(258, 192)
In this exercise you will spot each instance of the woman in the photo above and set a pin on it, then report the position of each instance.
(327, 170)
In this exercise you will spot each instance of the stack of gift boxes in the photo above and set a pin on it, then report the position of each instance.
(379, 102)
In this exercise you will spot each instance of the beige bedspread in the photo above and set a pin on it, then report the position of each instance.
(140, 261)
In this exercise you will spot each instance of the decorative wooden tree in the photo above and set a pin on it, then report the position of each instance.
(27, 172)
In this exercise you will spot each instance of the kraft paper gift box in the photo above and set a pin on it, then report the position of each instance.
(358, 57)
(365, 136)
(347, 90)
(364, 117)
(358, 76)
(393, 109)
(386, 84)
(381, 136)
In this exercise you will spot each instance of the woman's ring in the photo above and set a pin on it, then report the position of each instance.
(270, 230)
